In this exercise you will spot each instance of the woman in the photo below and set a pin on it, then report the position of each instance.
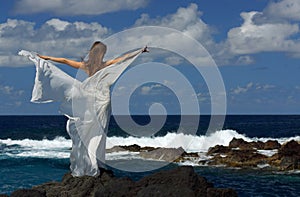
(95, 61)
(86, 104)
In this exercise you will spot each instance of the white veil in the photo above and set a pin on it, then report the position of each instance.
(86, 104)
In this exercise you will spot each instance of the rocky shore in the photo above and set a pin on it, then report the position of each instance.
(244, 154)
(181, 181)
(239, 153)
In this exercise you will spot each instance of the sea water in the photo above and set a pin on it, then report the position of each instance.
(35, 150)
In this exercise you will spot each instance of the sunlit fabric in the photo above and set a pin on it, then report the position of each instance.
(86, 104)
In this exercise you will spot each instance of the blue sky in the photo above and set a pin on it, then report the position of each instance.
(254, 43)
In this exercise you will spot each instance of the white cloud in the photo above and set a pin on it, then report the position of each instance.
(252, 38)
(173, 60)
(186, 20)
(252, 87)
(72, 39)
(55, 37)
(7, 90)
(58, 25)
(146, 90)
(285, 9)
(267, 86)
(168, 83)
(202, 97)
(76, 7)
(239, 89)
(274, 29)
(245, 60)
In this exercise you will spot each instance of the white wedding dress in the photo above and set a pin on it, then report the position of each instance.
(86, 104)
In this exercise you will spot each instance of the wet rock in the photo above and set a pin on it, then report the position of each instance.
(242, 144)
(192, 154)
(186, 157)
(131, 148)
(165, 154)
(239, 158)
(289, 156)
(118, 187)
(257, 145)
(28, 193)
(181, 181)
(271, 145)
(220, 149)
(115, 149)
(291, 148)
(239, 143)
(240, 153)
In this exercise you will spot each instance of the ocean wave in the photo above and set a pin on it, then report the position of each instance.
(190, 143)
(125, 155)
(60, 146)
(56, 143)
(56, 148)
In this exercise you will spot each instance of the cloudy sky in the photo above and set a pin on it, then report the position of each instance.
(255, 45)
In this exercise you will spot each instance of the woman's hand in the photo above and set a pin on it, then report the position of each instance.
(44, 57)
(145, 49)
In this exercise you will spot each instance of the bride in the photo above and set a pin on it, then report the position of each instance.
(86, 103)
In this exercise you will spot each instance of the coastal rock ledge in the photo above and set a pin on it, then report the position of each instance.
(181, 181)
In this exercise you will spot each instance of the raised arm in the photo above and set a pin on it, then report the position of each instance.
(124, 57)
(69, 62)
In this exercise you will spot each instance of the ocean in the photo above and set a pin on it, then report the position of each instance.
(35, 150)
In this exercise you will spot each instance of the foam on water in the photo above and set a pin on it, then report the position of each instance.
(189, 143)
(56, 148)
(60, 146)
(57, 143)
(268, 153)
(126, 155)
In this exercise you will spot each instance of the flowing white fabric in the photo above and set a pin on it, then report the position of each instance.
(86, 104)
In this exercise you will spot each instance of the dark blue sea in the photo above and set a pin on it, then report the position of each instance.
(35, 150)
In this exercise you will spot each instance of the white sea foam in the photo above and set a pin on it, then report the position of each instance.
(59, 147)
(189, 143)
(42, 154)
(188, 163)
(268, 153)
(126, 155)
(56, 148)
(280, 140)
(57, 143)
(263, 165)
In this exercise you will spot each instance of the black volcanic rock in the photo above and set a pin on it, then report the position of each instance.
(271, 145)
(242, 144)
(289, 156)
(239, 143)
(132, 148)
(181, 181)
(165, 154)
(290, 149)
(28, 193)
(218, 149)
(239, 158)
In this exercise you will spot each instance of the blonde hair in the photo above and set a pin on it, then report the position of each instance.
(95, 58)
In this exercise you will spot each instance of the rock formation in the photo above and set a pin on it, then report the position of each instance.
(181, 181)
